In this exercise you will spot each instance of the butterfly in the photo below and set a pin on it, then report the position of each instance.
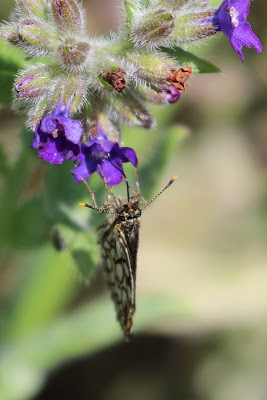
(118, 237)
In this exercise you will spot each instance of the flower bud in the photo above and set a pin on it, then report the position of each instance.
(67, 15)
(33, 8)
(34, 34)
(73, 53)
(9, 32)
(130, 7)
(152, 67)
(130, 108)
(174, 5)
(161, 94)
(33, 82)
(112, 130)
(70, 91)
(193, 26)
(157, 26)
(38, 112)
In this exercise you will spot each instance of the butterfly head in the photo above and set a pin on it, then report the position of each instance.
(129, 210)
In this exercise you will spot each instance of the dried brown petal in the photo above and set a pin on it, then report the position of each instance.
(116, 79)
(178, 78)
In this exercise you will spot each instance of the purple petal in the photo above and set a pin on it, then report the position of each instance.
(39, 138)
(84, 170)
(123, 155)
(171, 93)
(242, 6)
(36, 138)
(87, 164)
(231, 20)
(50, 152)
(61, 110)
(101, 140)
(56, 150)
(243, 35)
(222, 18)
(113, 176)
(73, 130)
(49, 124)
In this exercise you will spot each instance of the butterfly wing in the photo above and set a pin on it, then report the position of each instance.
(119, 245)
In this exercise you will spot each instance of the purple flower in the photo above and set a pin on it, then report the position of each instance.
(58, 136)
(231, 19)
(105, 157)
(171, 93)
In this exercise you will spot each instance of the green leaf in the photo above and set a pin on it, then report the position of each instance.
(185, 59)
(11, 60)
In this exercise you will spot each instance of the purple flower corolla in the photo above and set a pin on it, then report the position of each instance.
(58, 136)
(104, 157)
(231, 19)
(171, 93)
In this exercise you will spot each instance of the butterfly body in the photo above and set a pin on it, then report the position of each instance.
(119, 239)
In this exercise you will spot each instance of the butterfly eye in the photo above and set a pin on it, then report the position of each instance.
(122, 217)
(137, 213)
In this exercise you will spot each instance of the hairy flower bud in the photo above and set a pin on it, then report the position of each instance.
(33, 8)
(109, 127)
(163, 94)
(67, 15)
(155, 28)
(130, 8)
(34, 34)
(9, 32)
(152, 67)
(73, 53)
(70, 90)
(174, 5)
(32, 82)
(131, 109)
(193, 26)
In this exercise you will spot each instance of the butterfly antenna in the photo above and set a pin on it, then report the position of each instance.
(166, 187)
(125, 179)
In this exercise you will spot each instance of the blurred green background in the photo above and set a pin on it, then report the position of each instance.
(201, 320)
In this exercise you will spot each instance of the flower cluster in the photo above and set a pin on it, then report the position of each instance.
(79, 88)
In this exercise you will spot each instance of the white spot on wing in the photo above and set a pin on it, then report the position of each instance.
(119, 271)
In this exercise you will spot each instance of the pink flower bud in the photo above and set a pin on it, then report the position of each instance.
(33, 8)
(33, 82)
(67, 15)
(153, 29)
(34, 34)
(9, 32)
